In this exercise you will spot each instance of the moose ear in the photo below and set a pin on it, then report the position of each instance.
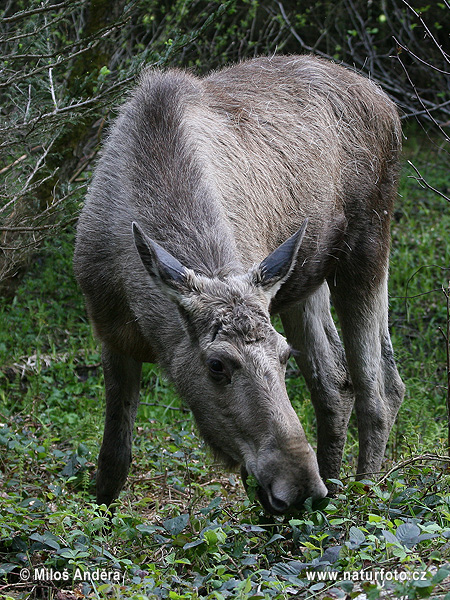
(275, 269)
(160, 264)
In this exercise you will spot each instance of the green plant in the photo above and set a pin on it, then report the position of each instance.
(184, 528)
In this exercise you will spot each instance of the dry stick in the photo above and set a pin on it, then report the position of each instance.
(84, 166)
(421, 100)
(91, 41)
(13, 164)
(411, 460)
(91, 38)
(423, 182)
(26, 13)
(446, 336)
(429, 32)
(419, 59)
(28, 229)
(13, 38)
(19, 160)
(448, 366)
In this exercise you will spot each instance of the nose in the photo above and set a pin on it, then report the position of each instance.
(320, 491)
(278, 505)
(278, 498)
(281, 494)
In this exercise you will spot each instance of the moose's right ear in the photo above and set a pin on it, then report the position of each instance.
(276, 268)
(160, 264)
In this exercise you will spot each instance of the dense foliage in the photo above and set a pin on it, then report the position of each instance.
(183, 528)
(65, 64)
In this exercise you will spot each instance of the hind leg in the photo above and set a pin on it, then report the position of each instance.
(362, 307)
(122, 382)
(311, 331)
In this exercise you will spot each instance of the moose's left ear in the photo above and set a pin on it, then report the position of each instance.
(160, 264)
(275, 269)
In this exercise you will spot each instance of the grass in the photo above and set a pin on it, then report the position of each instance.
(184, 528)
(420, 270)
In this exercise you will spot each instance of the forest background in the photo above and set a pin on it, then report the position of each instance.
(183, 527)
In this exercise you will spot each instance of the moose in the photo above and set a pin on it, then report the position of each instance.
(264, 188)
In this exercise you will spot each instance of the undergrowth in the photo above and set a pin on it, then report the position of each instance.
(183, 527)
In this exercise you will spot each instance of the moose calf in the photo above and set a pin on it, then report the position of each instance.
(217, 202)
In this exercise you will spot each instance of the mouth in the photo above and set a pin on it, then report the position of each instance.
(275, 505)
(270, 504)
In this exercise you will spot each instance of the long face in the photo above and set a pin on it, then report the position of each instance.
(231, 370)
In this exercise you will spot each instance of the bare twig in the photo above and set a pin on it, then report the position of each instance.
(358, 44)
(423, 182)
(446, 336)
(52, 89)
(95, 37)
(429, 32)
(447, 293)
(409, 461)
(407, 297)
(33, 228)
(71, 108)
(422, 101)
(27, 13)
(21, 36)
(166, 406)
(13, 164)
(421, 60)
(297, 36)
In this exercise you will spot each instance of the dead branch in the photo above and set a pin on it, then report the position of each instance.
(27, 13)
(428, 456)
(423, 182)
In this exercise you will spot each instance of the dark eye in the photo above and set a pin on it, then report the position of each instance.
(217, 369)
(215, 365)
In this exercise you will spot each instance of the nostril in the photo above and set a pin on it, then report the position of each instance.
(278, 505)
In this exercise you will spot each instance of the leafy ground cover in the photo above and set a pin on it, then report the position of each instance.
(183, 528)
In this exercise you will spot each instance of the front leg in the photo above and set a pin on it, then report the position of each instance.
(311, 331)
(122, 383)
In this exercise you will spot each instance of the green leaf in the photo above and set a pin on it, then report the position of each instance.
(215, 536)
(247, 586)
(423, 583)
(251, 487)
(408, 534)
(337, 482)
(375, 518)
(274, 538)
(177, 524)
(389, 537)
(6, 568)
(340, 521)
(317, 586)
(287, 569)
(357, 538)
(440, 576)
(48, 539)
(215, 502)
(310, 546)
(147, 529)
(193, 544)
